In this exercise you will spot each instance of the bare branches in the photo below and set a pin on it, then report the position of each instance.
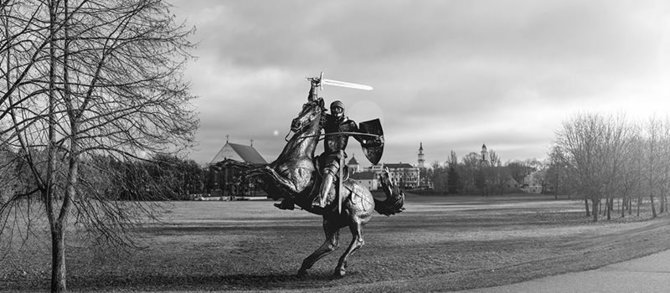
(611, 157)
(85, 82)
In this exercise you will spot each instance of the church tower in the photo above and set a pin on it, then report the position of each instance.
(420, 160)
(353, 165)
(485, 154)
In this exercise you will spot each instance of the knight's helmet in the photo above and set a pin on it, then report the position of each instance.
(336, 104)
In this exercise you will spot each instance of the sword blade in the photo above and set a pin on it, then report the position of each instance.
(346, 84)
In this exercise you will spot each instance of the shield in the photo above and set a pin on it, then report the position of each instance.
(373, 151)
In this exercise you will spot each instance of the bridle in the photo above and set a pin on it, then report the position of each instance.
(286, 138)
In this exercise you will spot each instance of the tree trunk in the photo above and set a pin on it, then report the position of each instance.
(653, 206)
(57, 238)
(58, 271)
(610, 202)
(664, 189)
(586, 205)
(595, 209)
(556, 186)
(662, 208)
(639, 203)
(600, 206)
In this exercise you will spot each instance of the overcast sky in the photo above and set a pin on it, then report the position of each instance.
(450, 74)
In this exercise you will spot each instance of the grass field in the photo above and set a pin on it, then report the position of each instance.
(437, 244)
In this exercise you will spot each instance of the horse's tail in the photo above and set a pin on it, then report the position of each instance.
(395, 198)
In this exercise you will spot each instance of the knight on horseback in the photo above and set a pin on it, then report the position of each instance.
(294, 175)
(337, 129)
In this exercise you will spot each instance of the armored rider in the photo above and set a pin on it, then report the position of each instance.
(337, 128)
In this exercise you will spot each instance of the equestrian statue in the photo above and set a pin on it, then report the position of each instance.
(320, 185)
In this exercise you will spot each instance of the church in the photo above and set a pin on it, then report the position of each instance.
(226, 182)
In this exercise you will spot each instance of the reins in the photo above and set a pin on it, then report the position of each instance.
(332, 134)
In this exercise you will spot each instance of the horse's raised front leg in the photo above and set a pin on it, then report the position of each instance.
(332, 232)
(356, 227)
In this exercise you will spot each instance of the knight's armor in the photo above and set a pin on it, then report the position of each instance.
(332, 145)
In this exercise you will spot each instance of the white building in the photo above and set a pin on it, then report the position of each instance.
(367, 179)
(532, 183)
(402, 175)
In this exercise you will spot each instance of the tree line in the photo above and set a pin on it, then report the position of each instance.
(600, 159)
(608, 158)
(480, 173)
(157, 178)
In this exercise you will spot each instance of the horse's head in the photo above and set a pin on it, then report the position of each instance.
(310, 114)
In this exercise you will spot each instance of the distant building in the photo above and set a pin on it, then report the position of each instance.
(354, 166)
(240, 153)
(485, 154)
(533, 183)
(420, 160)
(424, 181)
(226, 181)
(511, 184)
(403, 175)
(368, 179)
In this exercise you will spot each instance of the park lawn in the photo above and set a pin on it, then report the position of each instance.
(437, 244)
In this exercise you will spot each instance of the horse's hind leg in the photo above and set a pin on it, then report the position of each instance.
(357, 242)
(332, 240)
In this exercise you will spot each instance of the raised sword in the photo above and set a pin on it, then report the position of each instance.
(352, 85)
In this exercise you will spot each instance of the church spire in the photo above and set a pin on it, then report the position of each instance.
(420, 159)
(484, 154)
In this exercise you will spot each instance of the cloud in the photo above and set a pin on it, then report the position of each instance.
(453, 74)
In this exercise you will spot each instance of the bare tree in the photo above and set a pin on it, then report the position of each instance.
(85, 80)
(497, 174)
(593, 145)
(629, 178)
(665, 165)
(652, 172)
(557, 173)
(453, 179)
(519, 170)
(471, 175)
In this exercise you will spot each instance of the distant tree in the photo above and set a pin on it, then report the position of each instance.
(497, 174)
(653, 151)
(453, 159)
(439, 177)
(519, 170)
(593, 147)
(177, 177)
(629, 179)
(83, 79)
(454, 184)
(665, 154)
(8, 178)
(453, 179)
(471, 175)
(557, 172)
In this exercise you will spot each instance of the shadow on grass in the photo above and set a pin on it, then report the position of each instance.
(184, 282)
(204, 282)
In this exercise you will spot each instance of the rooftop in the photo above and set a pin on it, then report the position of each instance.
(248, 153)
(367, 175)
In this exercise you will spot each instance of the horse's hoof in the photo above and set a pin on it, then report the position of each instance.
(339, 273)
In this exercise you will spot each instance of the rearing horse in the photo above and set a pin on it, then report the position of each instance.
(294, 175)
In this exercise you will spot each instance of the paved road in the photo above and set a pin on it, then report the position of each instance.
(644, 275)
